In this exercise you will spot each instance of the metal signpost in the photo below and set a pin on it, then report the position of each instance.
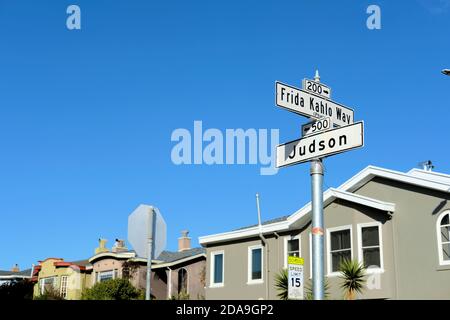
(295, 278)
(147, 234)
(319, 140)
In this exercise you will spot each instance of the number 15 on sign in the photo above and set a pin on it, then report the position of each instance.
(295, 278)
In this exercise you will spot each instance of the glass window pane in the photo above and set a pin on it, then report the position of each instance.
(445, 232)
(256, 264)
(337, 258)
(446, 251)
(218, 268)
(370, 236)
(293, 245)
(340, 240)
(444, 220)
(372, 257)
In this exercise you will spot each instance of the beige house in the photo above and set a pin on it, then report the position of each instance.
(397, 224)
(172, 272)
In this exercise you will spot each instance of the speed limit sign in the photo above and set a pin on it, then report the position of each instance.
(295, 278)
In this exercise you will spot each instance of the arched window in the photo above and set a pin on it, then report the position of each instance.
(182, 280)
(443, 237)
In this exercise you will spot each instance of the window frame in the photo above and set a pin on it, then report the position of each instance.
(250, 264)
(63, 291)
(441, 216)
(42, 283)
(359, 227)
(288, 238)
(213, 284)
(187, 280)
(331, 273)
(99, 274)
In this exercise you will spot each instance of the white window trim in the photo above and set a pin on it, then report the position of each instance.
(250, 265)
(360, 226)
(442, 262)
(99, 274)
(329, 231)
(61, 292)
(286, 239)
(42, 280)
(211, 282)
(187, 278)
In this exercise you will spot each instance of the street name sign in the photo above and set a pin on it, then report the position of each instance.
(321, 145)
(317, 88)
(316, 126)
(311, 105)
(295, 278)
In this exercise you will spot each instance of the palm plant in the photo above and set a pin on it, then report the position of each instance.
(309, 291)
(352, 275)
(281, 284)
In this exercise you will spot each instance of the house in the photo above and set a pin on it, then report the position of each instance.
(397, 224)
(173, 273)
(68, 279)
(14, 275)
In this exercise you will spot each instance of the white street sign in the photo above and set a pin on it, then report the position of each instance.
(321, 145)
(142, 222)
(311, 105)
(295, 278)
(316, 126)
(317, 88)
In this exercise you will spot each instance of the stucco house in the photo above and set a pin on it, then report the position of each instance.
(397, 224)
(68, 279)
(15, 274)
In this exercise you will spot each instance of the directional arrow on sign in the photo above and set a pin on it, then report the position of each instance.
(311, 105)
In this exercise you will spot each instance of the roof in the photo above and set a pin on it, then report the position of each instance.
(169, 256)
(283, 218)
(426, 179)
(20, 274)
(115, 255)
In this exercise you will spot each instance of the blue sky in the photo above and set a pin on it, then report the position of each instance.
(86, 116)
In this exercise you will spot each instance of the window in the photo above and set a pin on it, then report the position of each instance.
(64, 287)
(255, 264)
(182, 281)
(291, 247)
(443, 237)
(47, 284)
(105, 275)
(339, 246)
(370, 246)
(217, 272)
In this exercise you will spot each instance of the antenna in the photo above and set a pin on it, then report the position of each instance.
(427, 165)
(259, 211)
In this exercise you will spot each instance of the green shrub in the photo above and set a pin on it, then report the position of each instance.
(113, 289)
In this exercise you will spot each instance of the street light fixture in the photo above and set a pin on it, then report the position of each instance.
(446, 72)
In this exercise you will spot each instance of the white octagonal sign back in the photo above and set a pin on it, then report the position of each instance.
(140, 229)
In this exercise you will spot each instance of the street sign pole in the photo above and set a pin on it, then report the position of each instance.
(148, 287)
(317, 223)
(317, 228)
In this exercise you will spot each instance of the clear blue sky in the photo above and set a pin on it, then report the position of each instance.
(86, 116)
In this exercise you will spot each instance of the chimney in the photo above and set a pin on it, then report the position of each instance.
(15, 268)
(119, 246)
(184, 242)
(101, 246)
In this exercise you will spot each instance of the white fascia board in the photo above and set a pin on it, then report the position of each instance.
(14, 277)
(116, 255)
(430, 175)
(366, 201)
(368, 173)
(243, 233)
